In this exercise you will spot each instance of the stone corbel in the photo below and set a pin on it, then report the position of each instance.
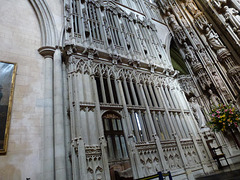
(74, 144)
(70, 49)
(103, 141)
(152, 67)
(116, 59)
(175, 73)
(90, 52)
(134, 63)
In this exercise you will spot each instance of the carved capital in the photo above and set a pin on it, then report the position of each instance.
(47, 51)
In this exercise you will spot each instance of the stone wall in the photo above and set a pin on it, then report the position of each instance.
(19, 41)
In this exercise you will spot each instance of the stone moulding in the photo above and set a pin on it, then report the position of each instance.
(46, 22)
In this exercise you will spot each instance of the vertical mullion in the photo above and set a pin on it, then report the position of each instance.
(135, 126)
(103, 89)
(156, 125)
(142, 125)
(110, 89)
(96, 23)
(147, 94)
(126, 90)
(162, 125)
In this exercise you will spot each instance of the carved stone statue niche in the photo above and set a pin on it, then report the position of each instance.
(176, 28)
(205, 56)
(192, 7)
(190, 54)
(215, 42)
(195, 40)
(197, 112)
(214, 99)
(231, 16)
(219, 82)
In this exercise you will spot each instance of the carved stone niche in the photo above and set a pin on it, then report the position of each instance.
(218, 4)
(200, 21)
(232, 17)
(204, 80)
(187, 85)
(214, 99)
(234, 73)
(176, 28)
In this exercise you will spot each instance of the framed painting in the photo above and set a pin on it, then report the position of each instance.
(7, 82)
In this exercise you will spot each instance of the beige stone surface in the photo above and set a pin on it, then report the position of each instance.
(19, 41)
(56, 8)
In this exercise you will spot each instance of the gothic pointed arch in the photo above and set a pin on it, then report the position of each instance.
(46, 22)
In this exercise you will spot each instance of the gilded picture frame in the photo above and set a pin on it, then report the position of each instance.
(7, 84)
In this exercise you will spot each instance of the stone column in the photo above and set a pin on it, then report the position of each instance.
(132, 151)
(152, 131)
(110, 89)
(165, 105)
(156, 125)
(148, 116)
(147, 95)
(185, 125)
(152, 95)
(48, 143)
(168, 96)
(102, 139)
(162, 123)
(125, 86)
(133, 93)
(200, 134)
(158, 97)
(184, 160)
(73, 117)
(59, 134)
(117, 90)
(103, 89)
(199, 153)
(66, 123)
(164, 97)
(139, 94)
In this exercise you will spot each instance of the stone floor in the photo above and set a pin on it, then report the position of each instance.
(226, 173)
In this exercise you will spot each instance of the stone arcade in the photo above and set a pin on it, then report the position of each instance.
(118, 89)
